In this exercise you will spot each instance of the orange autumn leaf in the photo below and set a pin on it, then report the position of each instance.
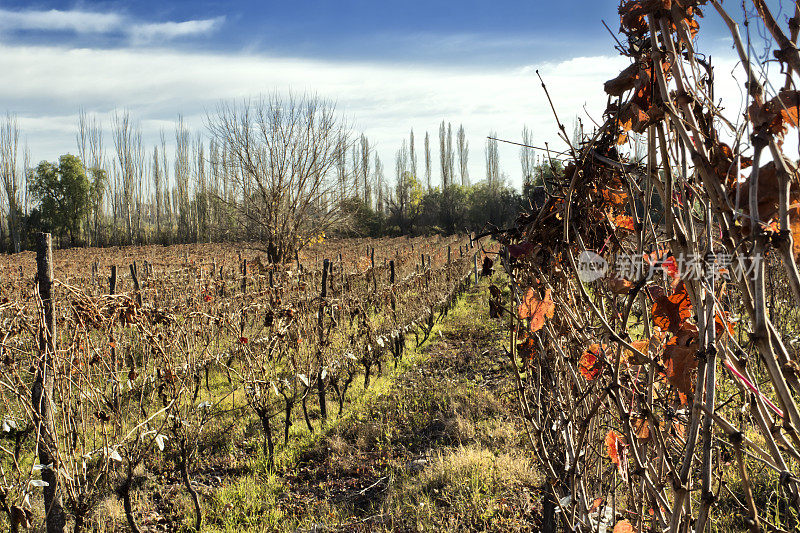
(630, 356)
(663, 259)
(623, 82)
(526, 348)
(616, 450)
(768, 201)
(595, 505)
(632, 17)
(535, 309)
(591, 362)
(612, 439)
(624, 526)
(641, 428)
(794, 226)
(679, 360)
(778, 113)
(649, 347)
(670, 312)
(613, 197)
(625, 222)
(722, 323)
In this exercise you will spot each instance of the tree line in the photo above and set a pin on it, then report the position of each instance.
(280, 170)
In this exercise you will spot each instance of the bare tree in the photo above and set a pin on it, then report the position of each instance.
(428, 161)
(443, 157)
(527, 157)
(405, 182)
(83, 147)
(462, 145)
(364, 166)
(11, 175)
(200, 203)
(412, 152)
(492, 161)
(379, 184)
(341, 166)
(451, 156)
(285, 150)
(130, 161)
(182, 173)
(165, 200)
(355, 156)
(158, 185)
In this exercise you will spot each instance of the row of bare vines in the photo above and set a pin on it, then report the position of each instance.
(144, 364)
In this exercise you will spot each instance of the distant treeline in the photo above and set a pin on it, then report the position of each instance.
(281, 170)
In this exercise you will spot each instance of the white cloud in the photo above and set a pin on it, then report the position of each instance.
(384, 100)
(55, 20)
(89, 22)
(144, 33)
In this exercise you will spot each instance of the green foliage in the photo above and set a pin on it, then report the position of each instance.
(414, 211)
(362, 221)
(65, 194)
(405, 206)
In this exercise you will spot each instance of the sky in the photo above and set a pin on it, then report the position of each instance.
(389, 66)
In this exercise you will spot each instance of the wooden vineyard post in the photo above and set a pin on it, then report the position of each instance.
(448, 262)
(475, 263)
(244, 276)
(42, 390)
(242, 322)
(341, 272)
(112, 289)
(330, 276)
(323, 407)
(135, 278)
(112, 280)
(391, 281)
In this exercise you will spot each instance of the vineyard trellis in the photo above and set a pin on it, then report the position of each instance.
(663, 395)
(141, 367)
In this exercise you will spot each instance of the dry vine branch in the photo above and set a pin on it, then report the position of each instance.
(689, 338)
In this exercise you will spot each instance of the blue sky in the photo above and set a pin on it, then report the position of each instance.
(390, 66)
(434, 31)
